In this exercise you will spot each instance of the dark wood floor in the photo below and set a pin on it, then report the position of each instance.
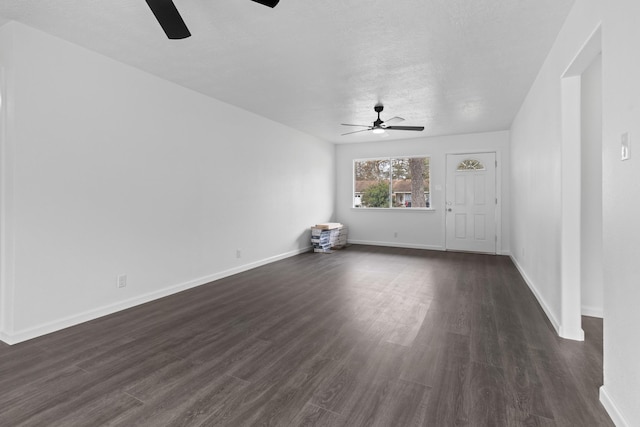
(367, 336)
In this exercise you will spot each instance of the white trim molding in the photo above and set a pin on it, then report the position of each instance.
(396, 245)
(7, 239)
(538, 295)
(612, 409)
(592, 311)
(56, 325)
(571, 323)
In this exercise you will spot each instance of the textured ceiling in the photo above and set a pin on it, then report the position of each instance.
(454, 66)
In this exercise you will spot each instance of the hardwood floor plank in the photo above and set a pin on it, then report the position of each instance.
(278, 360)
(401, 406)
(567, 400)
(425, 362)
(484, 343)
(527, 394)
(188, 405)
(33, 364)
(22, 402)
(110, 408)
(314, 416)
(486, 395)
(85, 392)
(367, 336)
(446, 405)
(370, 366)
(168, 376)
(517, 418)
(290, 397)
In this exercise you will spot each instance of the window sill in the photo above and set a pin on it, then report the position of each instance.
(395, 209)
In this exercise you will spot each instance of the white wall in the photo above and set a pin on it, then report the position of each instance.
(536, 142)
(6, 41)
(114, 171)
(621, 201)
(591, 200)
(536, 136)
(416, 228)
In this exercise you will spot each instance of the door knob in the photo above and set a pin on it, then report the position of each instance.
(449, 209)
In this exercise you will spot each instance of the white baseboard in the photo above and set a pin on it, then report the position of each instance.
(59, 324)
(5, 338)
(592, 311)
(541, 300)
(612, 409)
(572, 334)
(396, 245)
(409, 246)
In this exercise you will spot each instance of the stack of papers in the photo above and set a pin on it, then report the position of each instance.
(327, 236)
(339, 237)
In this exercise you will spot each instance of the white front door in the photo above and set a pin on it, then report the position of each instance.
(471, 202)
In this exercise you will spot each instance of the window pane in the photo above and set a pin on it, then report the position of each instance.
(410, 182)
(470, 165)
(371, 183)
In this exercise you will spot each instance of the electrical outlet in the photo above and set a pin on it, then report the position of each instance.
(395, 234)
(122, 281)
(238, 253)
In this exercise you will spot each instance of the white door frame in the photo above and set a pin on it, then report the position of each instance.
(498, 216)
(6, 218)
(570, 253)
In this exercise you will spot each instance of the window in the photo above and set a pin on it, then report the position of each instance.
(401, 182)
(470, 165)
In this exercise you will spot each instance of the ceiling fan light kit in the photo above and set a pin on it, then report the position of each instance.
(172, 23)
(380, 126)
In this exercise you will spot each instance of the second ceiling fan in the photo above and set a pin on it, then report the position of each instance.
(171, 22)
(379, 126)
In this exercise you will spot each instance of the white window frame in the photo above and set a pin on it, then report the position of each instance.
(391, 207)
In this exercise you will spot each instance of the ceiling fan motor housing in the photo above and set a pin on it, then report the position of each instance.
(378, 109)
(379, 126)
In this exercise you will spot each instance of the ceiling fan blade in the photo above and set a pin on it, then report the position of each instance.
(391, 121)
(355, 131)
(169, 18)
(418, 128)
(347, 124)
(270, 3)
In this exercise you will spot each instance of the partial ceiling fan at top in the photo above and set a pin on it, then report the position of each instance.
(380, 126)
(171, 22)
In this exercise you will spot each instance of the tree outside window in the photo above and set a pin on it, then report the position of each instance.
(392, 183)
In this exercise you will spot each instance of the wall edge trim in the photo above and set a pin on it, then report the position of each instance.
(592, 311)
(75, 319)
(611, 408)
(538, 295)
(396, 245)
